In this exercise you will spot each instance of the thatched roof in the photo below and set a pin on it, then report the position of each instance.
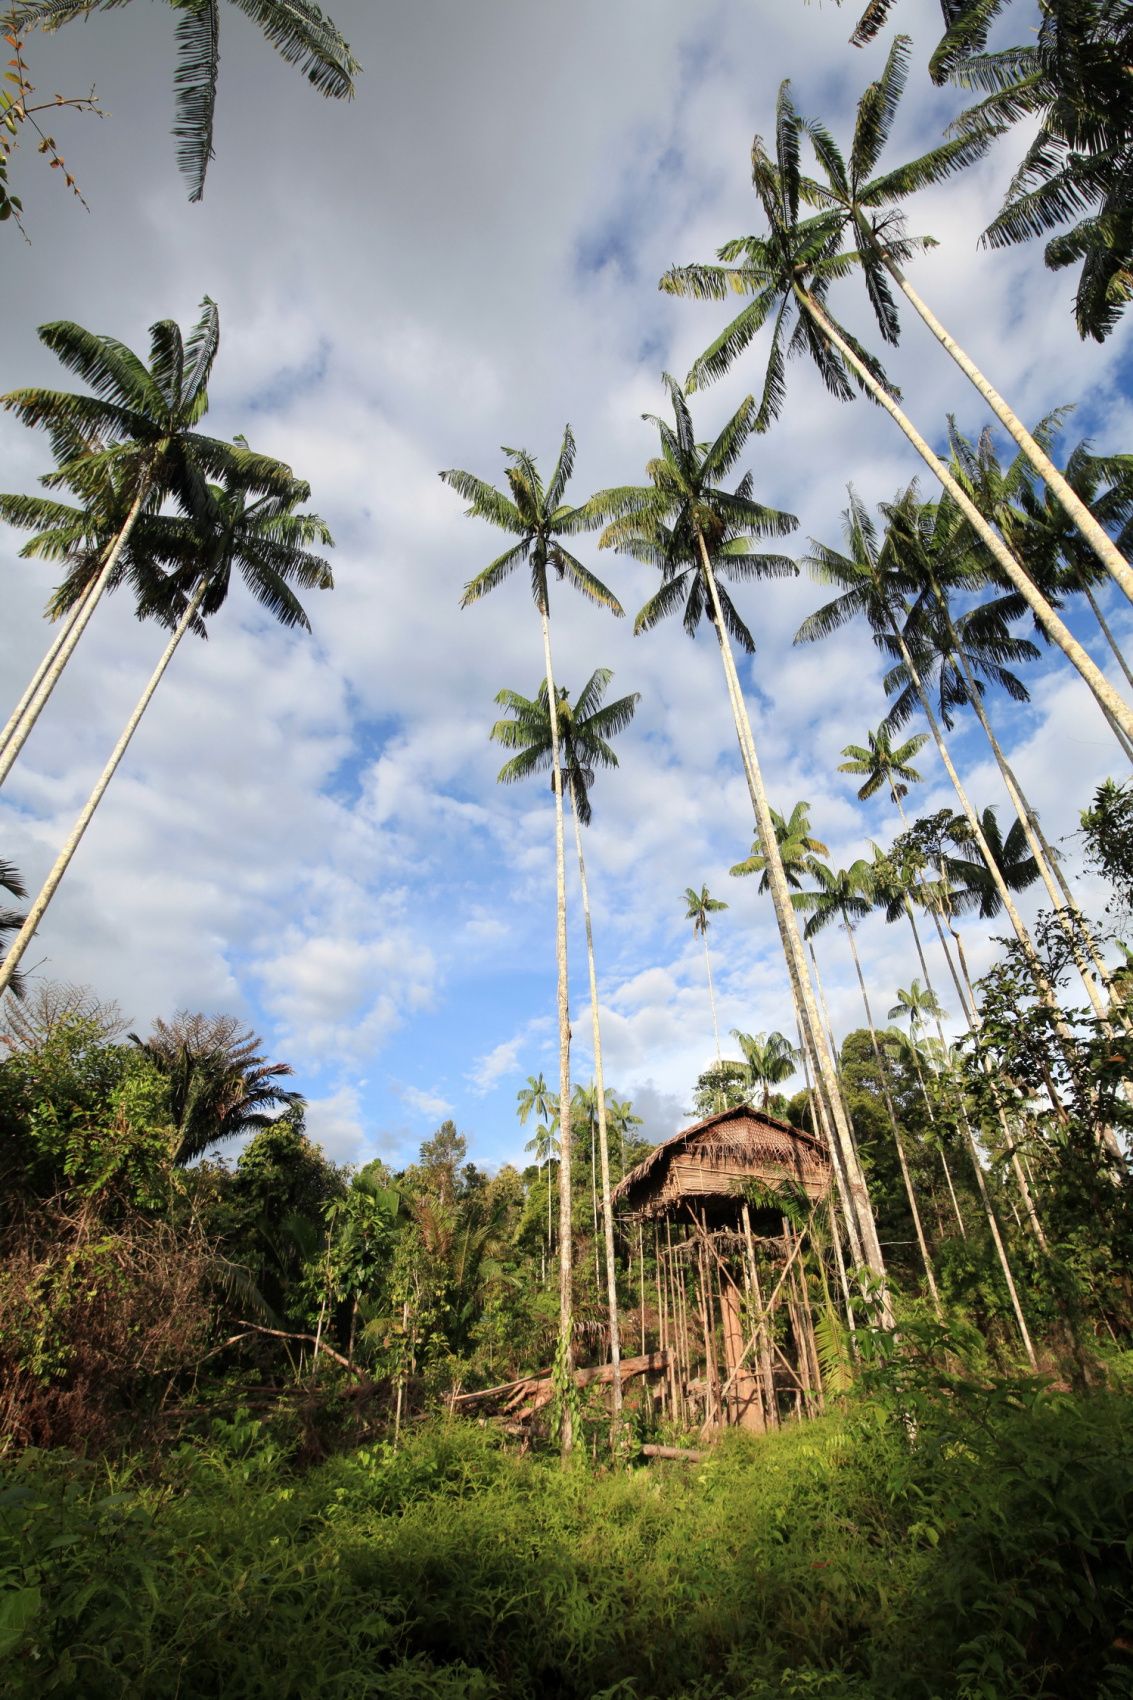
(735, 1145)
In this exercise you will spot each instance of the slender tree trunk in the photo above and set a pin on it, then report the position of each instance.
(712, 1001)
(566, 1294)
(603, 1137)
(20, 733)
(51, 884)
(1115, 647)
(1054, 627)
(825, 1074)
(1088, 526)
(1069, 915)
(883, 1077)
(62, 633)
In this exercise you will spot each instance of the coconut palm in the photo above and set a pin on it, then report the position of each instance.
(269, 544)
(297, 29)
(769, 1058)
(869, 205)
(791, 270)
(845, 895)
(585, 729)
(693, 530)
(123, 449)
(537, 518)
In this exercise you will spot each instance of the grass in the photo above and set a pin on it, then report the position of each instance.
(847, 1558)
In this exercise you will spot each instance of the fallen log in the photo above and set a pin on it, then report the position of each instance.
(683, 1455)
(538, 1387)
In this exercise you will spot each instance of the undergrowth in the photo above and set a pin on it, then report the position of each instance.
(975, 1554)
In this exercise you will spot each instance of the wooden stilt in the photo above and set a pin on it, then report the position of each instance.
(641, 1280)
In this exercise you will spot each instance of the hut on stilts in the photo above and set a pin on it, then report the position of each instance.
(734, 1319)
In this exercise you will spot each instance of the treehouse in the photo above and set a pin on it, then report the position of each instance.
(730, 1206)
(706, 1169)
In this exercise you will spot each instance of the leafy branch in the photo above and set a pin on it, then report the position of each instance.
(16, 109)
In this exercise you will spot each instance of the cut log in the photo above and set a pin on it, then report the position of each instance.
(683, 1455)
(535, 1390)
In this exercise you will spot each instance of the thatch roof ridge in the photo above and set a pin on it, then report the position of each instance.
(639, 1172)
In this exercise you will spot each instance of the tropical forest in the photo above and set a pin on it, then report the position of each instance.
(566, 850)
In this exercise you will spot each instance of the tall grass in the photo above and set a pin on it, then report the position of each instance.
(852, 1557)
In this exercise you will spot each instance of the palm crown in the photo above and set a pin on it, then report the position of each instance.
(699, 907)
(585, 728)
(685, 523)
(798, 850)
(882, 764)
(535, 514)
(297, 29)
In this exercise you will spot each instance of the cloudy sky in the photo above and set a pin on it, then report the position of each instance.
(307, 830)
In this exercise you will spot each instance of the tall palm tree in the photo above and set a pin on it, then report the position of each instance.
(869, 206)
(798, 850)
(686, 524)
(536, 1098)
(845, 895)
(973, 888)
(297, 29)
(879, 764)
(220, 1086)
(1073, 75)
(621, 1119)
(961, 652)
(770, 1059)
(537, 518)
(124, 449)
(875, 578)
(699, 907)
(791, 269)
(268, 543)
(918, 1005)
(585, 729)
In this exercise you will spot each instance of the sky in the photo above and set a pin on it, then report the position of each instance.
(307, 830)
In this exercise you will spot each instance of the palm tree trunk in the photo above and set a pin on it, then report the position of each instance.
(603, 1137)
(1026, 944)
(41, 672)
(51, 884)
(1069, 915)
(825, 1074)
(566, 1294)
(883, 1077)
(1115, 647)
(1054, 627)
(1095, 534)
(825, 1133)
(712, 1000)
(19, 734)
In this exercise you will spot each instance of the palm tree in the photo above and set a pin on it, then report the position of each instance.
(875, 579)
(961, 652)
(537, 1098)
(699, 907)
(219, 1085)
(879, 764)
(693, 530)
(621, 1118)
(845, 894)
(798, 851)
(297, 29)
(792, 268)
(123, 449)
(269, 544)
(869, 208)
(585, 728)
(1074, 76)
(972, 885)
(536, 516)
(770, 1059)
(918, 1006)
(11, 920)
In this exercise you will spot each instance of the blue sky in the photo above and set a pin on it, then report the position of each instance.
(307, 831)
